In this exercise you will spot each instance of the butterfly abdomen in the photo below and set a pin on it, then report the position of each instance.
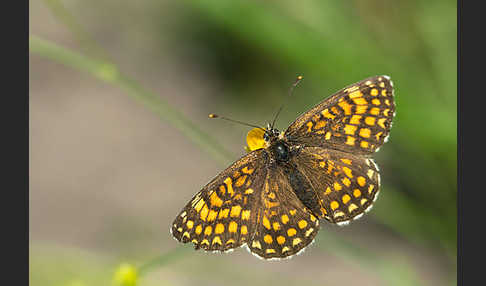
(303, 190)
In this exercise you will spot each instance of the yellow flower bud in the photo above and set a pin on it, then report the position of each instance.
(125, 275)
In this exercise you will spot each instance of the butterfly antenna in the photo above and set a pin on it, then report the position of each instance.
(291, 90)
(212, 115)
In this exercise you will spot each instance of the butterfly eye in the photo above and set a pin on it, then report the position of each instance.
(266, 137)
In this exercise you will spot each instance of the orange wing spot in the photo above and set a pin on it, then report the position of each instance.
(355, 94)
(346, 198)
(361, 181)
(370, 120)
(296, 241)
(309, 126)
(338, 214)
(233, 226)
(370, 188)
(272, 195)
(327, 191)
(205, 241)
(363, 201)
(370, 173)
(204, 213)
(293, 212)
(270, 250)
(309, 231)
(230, 241)
(386, 111)
(350, 129)
(222, 190)
(223, 213)
(280, 239)
(346, 182)
(383, 92)
(291, 232)
(355, 119)
(198, 229)
(334, 205)
(245, 215)
(335, 110)
(248, 183)
(381, 122)
(382, 85)
(219, 228)
(249, 191)
(327, 136)
(320, 124)
(247, 171)
(285, 219)
(316, 117)
(229, 186)
(190, 224)
(326, 114)
(365, 132)
(199, 205)
(387, 102)
(376, 101)
(322, 164)
(337, 186)
(244, 230)
(302, 224)
(350, 140)
(348, 172)
(323, 210)
(256, 244)
(352, 207)
(360, 101)
(268, 239)
(375, 111)
(357, 193)
(266, 223)
(212, 215)
(374, 92)
(346, 161)
(312, 217)
(235, 211)
(346, 107)
(276, 226)
(241, 180)
(364, 144)
(208, 230)
(360, 109)
(270, 204)
(236, 174)
(215, 200)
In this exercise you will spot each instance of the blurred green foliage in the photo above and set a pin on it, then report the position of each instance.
(257, 48)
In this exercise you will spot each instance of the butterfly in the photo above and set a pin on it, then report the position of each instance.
(273, 198)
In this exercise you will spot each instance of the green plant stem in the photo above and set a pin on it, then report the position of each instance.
(109, 73)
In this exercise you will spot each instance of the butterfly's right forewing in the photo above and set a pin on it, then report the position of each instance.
(356, 119)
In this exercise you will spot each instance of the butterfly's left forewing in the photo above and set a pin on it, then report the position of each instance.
(222, 215)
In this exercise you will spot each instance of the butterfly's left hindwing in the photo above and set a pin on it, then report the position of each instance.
(356, 119)
(222, 215)
(284, 226)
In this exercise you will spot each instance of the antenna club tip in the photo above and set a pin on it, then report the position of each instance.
(300, 77)
(212, 115)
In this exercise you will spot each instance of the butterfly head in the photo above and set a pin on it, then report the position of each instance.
(259, 138)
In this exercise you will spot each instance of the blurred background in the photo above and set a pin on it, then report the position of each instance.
(120, 141)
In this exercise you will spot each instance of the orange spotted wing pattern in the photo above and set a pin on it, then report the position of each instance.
(346, 185)
(284, 225)
(357, 119)
(223, 214)
(271, 199)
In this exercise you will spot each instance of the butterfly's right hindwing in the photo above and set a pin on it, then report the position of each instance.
(222, 215)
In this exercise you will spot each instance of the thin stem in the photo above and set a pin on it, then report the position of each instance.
(109, 72)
